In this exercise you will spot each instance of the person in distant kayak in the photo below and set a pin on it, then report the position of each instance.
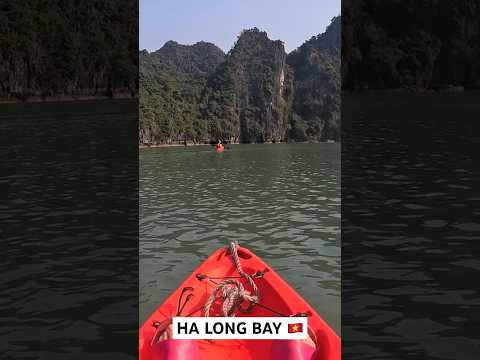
(219, 146)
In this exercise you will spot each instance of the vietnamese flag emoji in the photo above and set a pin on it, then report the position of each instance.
(294, 328)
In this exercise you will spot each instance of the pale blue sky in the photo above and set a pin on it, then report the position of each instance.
(220, 21)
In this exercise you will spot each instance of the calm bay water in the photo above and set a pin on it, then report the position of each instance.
(410, 226)
(282, 201)
(68, 225)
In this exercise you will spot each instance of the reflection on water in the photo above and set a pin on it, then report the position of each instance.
(410, 221)
(281, 201)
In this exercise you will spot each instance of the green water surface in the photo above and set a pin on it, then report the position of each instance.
(282, 201)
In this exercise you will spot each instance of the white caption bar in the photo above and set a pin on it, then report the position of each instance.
(295, 328)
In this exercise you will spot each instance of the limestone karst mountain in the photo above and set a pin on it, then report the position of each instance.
(255, 93)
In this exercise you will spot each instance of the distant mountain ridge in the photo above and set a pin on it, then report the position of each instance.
(198, 59)
(255, 93)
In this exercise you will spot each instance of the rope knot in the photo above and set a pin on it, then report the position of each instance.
(232, 292)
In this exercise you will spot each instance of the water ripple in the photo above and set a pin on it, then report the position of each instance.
(282, 201)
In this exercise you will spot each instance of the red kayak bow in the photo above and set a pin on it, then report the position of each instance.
(277, 299)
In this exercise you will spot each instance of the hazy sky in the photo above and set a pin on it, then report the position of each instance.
(220, 21)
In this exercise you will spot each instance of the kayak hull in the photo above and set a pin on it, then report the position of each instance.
(275, 294)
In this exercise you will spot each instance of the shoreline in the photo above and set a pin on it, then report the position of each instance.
(156, 146)
(446, 90)
(169, 145)
(66, 98)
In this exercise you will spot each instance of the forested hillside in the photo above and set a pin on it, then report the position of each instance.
(58, 48)
(172, 80)
(411, 44)
(316, 66)
(255, 93)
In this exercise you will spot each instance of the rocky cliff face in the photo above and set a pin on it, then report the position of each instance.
(316, 67)
(68, 49)
(255, 93)
(256, 84)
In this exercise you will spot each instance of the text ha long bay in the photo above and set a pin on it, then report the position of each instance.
(295, 328)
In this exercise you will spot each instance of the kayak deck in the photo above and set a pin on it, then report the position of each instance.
(277, 298)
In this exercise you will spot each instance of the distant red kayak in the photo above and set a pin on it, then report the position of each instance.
(219, 148)
(277, 299)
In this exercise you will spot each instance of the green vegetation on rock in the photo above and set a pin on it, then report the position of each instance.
(316, 66)
(58, 48)
(255, 93)
(172, 81)
(409, 44)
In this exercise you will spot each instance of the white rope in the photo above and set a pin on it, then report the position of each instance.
(232, 292)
